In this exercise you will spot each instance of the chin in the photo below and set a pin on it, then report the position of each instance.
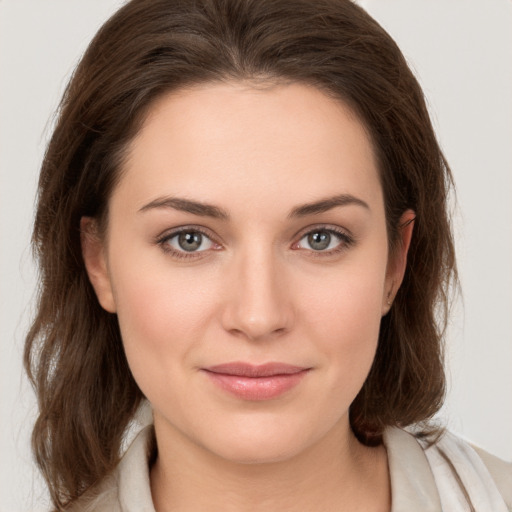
(260, 450)
(263, 442)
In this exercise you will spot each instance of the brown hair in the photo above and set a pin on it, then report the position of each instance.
(74, 354)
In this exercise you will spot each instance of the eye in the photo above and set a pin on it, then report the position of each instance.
(187, 241)
(324, 240)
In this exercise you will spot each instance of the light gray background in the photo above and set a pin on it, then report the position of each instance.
(462, 53)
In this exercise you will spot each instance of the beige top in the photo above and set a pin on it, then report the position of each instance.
(449, 476)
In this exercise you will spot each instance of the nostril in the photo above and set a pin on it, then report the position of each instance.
(256, 331)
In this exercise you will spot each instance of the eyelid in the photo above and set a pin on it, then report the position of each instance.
(344, 232)
(168, 233)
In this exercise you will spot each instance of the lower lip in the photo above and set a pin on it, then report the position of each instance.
(257, 388)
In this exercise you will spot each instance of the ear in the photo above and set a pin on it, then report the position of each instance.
(93, 252)
(398, 260)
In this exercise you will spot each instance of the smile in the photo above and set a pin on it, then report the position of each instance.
(257, 383)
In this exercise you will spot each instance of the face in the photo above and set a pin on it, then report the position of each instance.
(246, 257)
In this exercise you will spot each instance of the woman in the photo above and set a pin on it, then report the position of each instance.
(242, 222)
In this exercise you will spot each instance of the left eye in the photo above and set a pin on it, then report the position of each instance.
(190, 241)
(320, 240)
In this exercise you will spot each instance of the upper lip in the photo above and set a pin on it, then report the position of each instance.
(250, 370)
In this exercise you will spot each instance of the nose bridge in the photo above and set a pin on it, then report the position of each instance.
(258, 305)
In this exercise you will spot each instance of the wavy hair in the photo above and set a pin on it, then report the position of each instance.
(74, 354)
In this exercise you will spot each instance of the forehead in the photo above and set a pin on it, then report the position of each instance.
(227, 140)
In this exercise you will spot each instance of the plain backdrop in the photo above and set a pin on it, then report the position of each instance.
(461, 51)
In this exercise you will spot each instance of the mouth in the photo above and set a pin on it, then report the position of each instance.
(256, 382)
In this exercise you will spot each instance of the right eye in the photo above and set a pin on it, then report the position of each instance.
(187, 242)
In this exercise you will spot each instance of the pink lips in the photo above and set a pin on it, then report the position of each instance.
(250, 382)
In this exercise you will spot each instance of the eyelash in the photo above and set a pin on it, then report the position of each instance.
(346, 241)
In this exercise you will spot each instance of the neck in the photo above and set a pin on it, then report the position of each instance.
(336, 473)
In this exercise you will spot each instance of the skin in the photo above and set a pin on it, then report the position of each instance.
(256, 291)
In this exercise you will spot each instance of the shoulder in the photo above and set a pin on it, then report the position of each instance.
(481, 477)
(127, 488)
(501, 472)
(447, 474)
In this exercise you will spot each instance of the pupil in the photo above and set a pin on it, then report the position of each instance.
(319, 240)
(190, 241)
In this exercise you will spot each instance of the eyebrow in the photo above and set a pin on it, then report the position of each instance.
(209, 210)
(186, 205)
(327, 204)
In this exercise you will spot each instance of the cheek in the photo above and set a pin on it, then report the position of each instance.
(163, 313)
(343, 316)
(348, 301)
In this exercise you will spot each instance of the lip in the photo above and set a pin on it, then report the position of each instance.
(256, 382)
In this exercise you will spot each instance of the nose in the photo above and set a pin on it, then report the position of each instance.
(259, 305)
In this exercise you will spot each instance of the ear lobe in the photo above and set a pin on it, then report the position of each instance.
(398, 259)
(93, 253)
